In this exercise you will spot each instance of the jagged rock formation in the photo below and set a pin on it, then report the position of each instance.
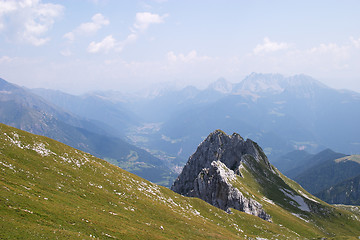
(209, 172)
(214, 186)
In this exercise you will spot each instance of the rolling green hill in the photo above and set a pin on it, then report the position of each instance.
(50, 190)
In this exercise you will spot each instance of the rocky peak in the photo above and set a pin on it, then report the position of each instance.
(261, 83)
(258, 85)
(210, 170)
(222, 86)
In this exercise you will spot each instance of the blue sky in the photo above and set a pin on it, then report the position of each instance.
(84, 45)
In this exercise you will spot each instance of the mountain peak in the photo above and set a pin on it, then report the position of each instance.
(257, 84)
(229, 172)
(220, 137)
(221, 85)
(217, 159)
(260, 83)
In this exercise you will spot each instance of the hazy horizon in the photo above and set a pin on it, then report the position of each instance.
(89, 45)
(154, 87)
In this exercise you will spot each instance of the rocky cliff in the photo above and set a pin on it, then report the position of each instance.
(212, 170)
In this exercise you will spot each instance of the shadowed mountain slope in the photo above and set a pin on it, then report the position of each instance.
(328, 173)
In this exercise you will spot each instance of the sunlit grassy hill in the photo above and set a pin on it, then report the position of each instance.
(50, 190)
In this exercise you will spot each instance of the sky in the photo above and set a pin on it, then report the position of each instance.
(125, 45)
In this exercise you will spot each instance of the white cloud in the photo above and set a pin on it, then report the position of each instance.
(144, 19)
(6, 8)
(340, 52)
(88, 28)
(355, 42)
(105, 45)
(269, 46)
(69, 36)
(190, 57)
(130, 39)
(66, 53)
(142, 22)
(110, 43)
(5, 59)
(171, 56)
(28, 20)
(325, 60)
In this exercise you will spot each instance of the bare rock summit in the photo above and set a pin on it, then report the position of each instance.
(212, 170)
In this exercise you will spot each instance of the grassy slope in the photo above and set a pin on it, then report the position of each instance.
(354, 158)
(329, 221)
(50, 190)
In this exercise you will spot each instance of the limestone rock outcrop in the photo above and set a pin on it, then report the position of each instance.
(210, 172)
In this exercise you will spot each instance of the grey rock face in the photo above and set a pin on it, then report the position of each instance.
(209, 172)
(213, 185)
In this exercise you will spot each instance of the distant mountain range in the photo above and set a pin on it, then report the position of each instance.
(27, 111)
(52, 191)
(326, 174)
(281, 113)
(346, 192)
(296, 162)
(93, 107)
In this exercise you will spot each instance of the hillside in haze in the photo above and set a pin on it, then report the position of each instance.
(331, 176)
(93, 106)
(164, 119)
(296, 162)
(27, 111)
(281, 113)
(50, 190)
(345, 192)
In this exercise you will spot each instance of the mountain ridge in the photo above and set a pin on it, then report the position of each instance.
(299, 118)
(346, 192)
(230, 172)
(92, 106)
(311, 160)
(28, 111)
(209, 171)
(327, 173)
(50, 190)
